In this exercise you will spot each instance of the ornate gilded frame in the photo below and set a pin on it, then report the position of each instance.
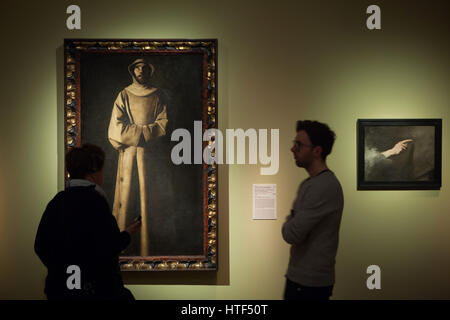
(72, 119)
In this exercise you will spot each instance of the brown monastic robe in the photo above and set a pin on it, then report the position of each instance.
(139, 116)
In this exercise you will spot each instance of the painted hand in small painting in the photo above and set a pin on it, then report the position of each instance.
(397, 149)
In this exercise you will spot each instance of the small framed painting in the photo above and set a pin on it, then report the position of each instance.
(399, 154)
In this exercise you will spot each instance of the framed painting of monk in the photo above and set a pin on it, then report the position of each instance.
(129, 97)
(399, 154)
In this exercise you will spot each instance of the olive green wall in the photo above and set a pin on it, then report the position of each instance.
(278, 62)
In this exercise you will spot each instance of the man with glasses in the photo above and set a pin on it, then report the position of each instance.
(312, 228)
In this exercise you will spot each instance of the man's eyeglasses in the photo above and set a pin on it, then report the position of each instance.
(297, 145)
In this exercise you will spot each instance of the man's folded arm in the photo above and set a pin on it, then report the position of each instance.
(315, 208)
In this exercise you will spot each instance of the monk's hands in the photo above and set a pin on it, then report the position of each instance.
(133, 228)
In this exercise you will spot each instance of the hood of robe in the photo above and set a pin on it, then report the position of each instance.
(136, 88)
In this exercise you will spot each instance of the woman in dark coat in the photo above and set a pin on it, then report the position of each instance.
(78, 229)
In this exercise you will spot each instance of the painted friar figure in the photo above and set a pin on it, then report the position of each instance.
(139, 118)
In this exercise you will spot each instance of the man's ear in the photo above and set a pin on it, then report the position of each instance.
(318, 151)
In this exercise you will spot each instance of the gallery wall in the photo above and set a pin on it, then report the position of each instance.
(278, 62)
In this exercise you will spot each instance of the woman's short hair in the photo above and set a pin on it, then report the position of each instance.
(81, 161)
